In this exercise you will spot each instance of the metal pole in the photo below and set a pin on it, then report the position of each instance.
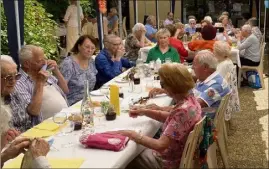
(135, 12)
(120, 17)
(79, 21)
(100, 26)
(157, 13)
(259, 14)
(17, 23)
(264, 22)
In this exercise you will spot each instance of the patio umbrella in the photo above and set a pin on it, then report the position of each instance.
(14, 11)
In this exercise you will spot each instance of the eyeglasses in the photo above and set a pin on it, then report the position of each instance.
(10, 78)
(192, 23)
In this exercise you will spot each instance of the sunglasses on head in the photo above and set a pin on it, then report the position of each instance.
(10, 78)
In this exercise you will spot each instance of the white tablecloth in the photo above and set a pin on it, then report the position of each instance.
(234, 54)
(95, 158)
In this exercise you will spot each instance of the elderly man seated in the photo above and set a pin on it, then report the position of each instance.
(109, 61)
(38, 148)
(192, 27)
(249, 47)
(39, 90)
(210, 86)
(9, 76)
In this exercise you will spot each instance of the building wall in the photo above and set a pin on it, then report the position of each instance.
(148, 8)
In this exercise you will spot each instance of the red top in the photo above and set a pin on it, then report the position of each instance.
(178, 45)
(201, 45)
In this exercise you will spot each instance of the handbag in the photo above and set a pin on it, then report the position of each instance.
(105, 141)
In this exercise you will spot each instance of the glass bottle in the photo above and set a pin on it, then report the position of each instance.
(87, 109)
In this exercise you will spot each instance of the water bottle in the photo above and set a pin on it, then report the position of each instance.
(87, 107)
(139, 61)
(158, 64)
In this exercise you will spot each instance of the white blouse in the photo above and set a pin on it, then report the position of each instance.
(224, 68)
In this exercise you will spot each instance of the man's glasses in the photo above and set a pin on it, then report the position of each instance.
(10, 78)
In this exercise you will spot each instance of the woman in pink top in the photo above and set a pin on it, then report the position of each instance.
(177, 44)
(179, 121)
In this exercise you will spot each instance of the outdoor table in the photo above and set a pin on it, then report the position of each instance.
(68, 146)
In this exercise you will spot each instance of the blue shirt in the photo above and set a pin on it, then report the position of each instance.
(107, 69)
(149, 31)
(111, 21)
(190, 30)
(212, 90)
(75, 77)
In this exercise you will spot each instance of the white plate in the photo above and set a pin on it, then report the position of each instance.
(121, 81)
(96, 93)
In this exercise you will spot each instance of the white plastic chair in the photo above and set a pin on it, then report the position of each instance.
(191, 144)
(258, 68)
(220, 127)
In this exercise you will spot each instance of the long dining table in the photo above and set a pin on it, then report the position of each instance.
(68, 146)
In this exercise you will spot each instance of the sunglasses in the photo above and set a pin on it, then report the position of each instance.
(10, 78)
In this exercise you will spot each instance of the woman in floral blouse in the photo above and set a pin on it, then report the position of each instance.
(135, 41)
(179, 121)
(79, 67)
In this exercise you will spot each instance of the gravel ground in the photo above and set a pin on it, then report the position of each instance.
(248, 141)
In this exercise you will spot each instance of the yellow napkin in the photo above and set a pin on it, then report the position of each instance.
(54, 162)
(34, 132)
(47, 125)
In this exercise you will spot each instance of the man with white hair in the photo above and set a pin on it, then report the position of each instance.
(210, 87)
(151, 28)
(191, 29)
(249, 47)
(39, 91)
(109, 61)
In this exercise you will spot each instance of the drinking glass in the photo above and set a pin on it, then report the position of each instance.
(168, 60)
(60, 119)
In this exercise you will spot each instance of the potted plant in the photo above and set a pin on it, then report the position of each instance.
(110, 113)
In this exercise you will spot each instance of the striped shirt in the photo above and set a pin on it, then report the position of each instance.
(25, 90)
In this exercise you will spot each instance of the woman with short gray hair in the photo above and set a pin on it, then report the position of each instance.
(135, 41)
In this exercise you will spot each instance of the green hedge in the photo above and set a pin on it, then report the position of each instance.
(39, 29)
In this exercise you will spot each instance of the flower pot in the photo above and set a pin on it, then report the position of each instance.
(110, 117)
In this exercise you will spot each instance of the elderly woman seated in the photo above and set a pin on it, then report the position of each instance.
(208, 35)
(180, 26)
(163, 50)
(222, 52)
(177, 44)
(166, 151)
(135, 41)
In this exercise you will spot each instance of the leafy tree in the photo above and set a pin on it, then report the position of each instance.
(39, 29)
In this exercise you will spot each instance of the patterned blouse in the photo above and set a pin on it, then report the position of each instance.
(131, 48)
(177, 127)
(75, 77)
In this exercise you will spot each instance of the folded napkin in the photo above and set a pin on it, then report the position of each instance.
(106, 141)
(33, 133)
(47, 125)
(54, 162)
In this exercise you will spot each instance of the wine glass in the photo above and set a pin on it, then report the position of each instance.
(60, 119)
